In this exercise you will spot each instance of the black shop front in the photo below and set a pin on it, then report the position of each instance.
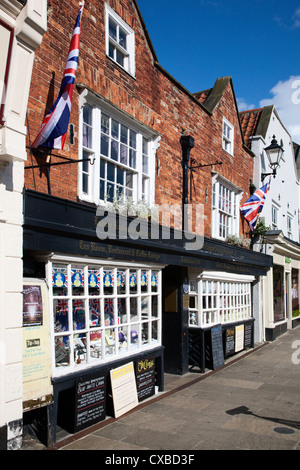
(124, 311)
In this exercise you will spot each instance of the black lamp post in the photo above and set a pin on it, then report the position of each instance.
(274, 153)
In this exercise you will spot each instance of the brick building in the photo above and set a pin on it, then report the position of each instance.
(156, 292)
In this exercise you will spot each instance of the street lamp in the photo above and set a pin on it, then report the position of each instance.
(274, 153)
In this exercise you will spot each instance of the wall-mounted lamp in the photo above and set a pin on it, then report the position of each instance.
(274, 153)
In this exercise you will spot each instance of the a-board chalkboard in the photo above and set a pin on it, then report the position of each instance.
(145, 378)
(229, 341)
(248, 335)
(90, 403)
(217, 347)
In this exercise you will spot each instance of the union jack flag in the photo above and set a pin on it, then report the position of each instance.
(95, 312)
(253, 207)
(62, 306)
(55, 124)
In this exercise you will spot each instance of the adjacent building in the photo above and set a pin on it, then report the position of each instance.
(280, 287)
(22, 24)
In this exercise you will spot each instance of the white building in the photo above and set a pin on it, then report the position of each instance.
(22, 25)
(279, 293)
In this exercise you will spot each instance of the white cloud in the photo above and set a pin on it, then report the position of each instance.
(243, 105)
(286, 98)
(296, 18)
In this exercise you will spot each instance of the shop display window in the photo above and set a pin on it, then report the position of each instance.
(214, 301)
(102, 311)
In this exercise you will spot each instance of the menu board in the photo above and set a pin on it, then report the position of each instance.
(229, 341)
(145, 378)
(124, 390)
(248, 335)
(217, 347)
(239, 338)
(90, 401)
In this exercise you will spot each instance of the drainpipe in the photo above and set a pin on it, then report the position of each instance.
(187, 143)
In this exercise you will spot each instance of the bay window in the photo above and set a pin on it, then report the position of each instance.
(101, 311)
(219, 298)
(122, 156)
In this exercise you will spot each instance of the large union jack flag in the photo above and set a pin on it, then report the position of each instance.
(253, 207)
(55, 124)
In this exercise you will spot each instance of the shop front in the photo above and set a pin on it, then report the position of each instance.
(124, 311)
(281, 286)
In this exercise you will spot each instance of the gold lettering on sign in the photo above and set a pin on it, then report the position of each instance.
(145, 365)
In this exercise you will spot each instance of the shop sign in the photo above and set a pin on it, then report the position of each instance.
(145, 378)
(217, 347)
(90, 407)
(239, 338)
(36, 360)
(229, 341)
(248, 335)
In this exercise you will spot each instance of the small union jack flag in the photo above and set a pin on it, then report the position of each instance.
(62, 306)
(253, 207)
(55, 124)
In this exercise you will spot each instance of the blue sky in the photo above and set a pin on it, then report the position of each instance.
(255, 42)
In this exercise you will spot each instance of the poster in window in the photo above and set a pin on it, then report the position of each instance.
(36, 355)
(278, 293)
(295, 293)
(32, 306)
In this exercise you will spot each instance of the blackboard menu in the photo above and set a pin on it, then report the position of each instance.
(145, 378)
(217, 347)
(229, 341)
(90, 401)
(248, 335)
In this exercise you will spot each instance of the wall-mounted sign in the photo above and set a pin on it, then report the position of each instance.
(36, 344)
(123, 386)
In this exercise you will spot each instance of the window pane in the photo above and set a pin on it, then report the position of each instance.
(114, 151)
(104, 124)
(132, 139)
(120, 58)
(120, 176)
(122, 38)
(87, 136)
(132, 158)
(112, 29)
(123, 154)
(115, 129)
(111, 52)
(145, 164)
(87, 114)
(110, 172)
(102, 168)
(124, 134)
(104, 145)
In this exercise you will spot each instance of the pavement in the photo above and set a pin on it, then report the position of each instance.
(252, 403)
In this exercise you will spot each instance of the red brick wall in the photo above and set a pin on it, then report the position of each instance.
(152, 98)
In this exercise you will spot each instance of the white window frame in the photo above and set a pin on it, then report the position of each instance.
(140, 320)
(128, 52)
(218, 297)
(289, 226)
(230, 217)
(228, 136)
(92, 170)
(275, 212)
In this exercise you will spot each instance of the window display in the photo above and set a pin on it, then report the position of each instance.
(102, 312)
(213, 301)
